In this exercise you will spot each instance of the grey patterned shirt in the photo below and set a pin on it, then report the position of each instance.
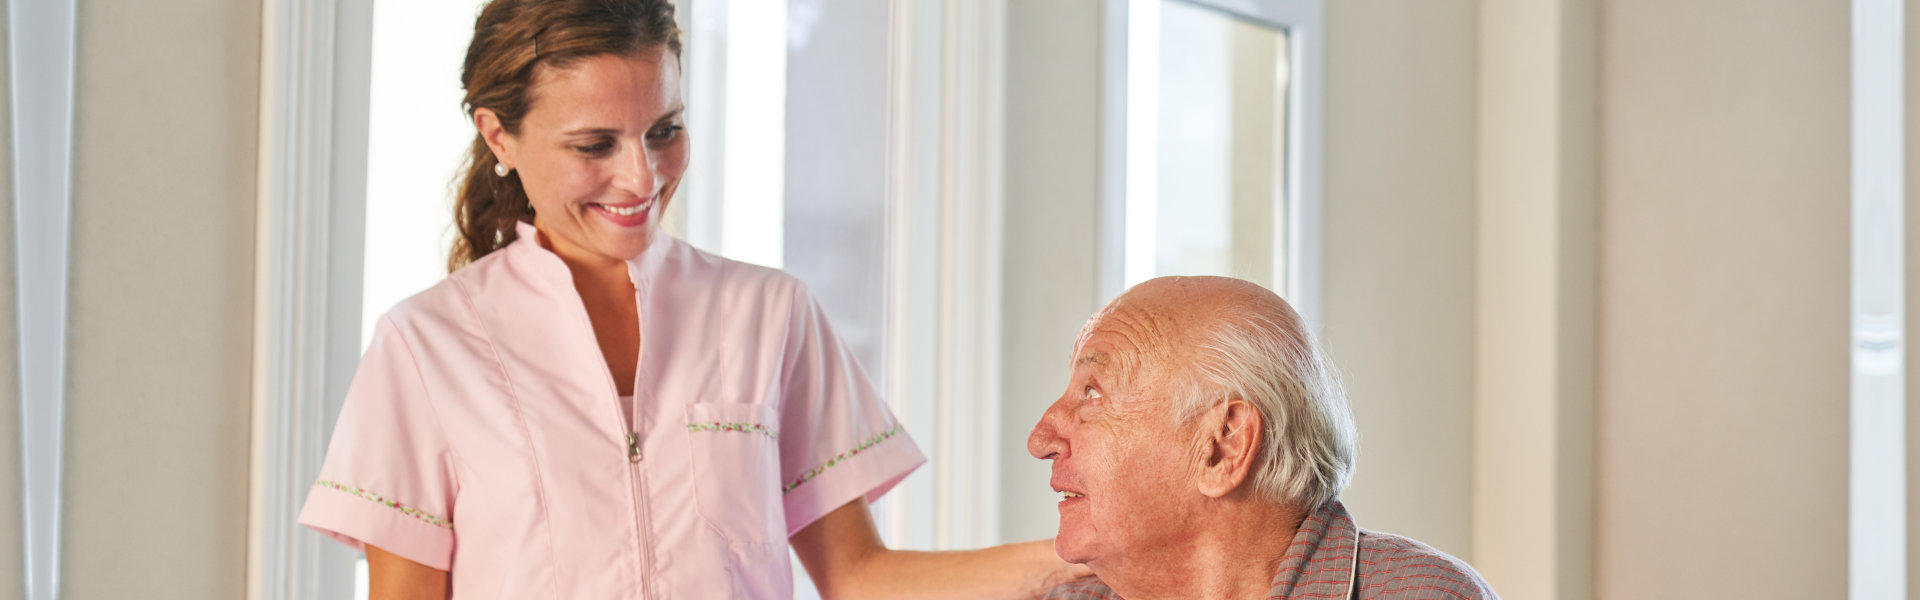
(1322, 563)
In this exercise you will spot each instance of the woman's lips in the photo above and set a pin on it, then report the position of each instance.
(626, 215)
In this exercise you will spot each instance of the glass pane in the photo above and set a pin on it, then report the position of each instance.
(1213, 203)
(832, 230)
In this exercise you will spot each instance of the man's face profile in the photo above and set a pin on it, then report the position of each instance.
(1121, 464)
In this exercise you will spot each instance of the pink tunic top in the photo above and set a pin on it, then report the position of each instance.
(483, 434)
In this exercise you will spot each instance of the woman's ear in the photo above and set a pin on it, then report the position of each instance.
(498, 140)
(1231, 437)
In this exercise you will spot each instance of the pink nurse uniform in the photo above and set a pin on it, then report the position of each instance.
(483, 434)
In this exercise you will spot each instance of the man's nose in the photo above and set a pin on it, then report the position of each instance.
(1045, 442)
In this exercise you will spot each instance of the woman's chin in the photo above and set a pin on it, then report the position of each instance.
(628, 245)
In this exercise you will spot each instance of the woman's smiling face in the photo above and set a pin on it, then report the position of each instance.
(599, 153)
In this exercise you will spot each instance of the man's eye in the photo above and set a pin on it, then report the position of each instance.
(1093, 394)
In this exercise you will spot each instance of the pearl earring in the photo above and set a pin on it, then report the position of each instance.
(501, 170)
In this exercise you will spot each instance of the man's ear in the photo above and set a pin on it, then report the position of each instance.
(1230, 439)
(498, 140)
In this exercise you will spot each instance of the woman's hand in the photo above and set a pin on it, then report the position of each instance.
(392, 577)
(843, 553)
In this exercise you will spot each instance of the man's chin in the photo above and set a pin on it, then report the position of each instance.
(1070, 549)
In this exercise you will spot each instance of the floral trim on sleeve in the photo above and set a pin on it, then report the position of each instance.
(740, 427)
(378, 499)
(869, 443)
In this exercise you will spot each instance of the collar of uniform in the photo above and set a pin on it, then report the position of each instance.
(554, 271)
(1321, 561)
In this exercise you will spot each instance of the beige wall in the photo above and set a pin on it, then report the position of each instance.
(1399, 257)
(1534, 322)
(1913, 299)
(1052, 176)
(1724, 259)
(156, 488)
(11, 568)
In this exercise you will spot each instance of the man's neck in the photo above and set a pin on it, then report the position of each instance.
(1234, 553)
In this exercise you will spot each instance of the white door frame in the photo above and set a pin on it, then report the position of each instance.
(41, 59)
(946, 198)
(315, 67)
(1877, 441)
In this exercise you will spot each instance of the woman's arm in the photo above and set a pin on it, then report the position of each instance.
(843, 553)
(391, 577)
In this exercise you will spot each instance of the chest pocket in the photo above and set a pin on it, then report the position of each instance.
(736, 470)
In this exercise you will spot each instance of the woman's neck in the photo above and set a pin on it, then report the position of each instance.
(592, 273)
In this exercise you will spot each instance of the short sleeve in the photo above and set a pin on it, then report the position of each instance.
(838, 441)
(388, 476)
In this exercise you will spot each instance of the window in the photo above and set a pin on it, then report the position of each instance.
(1211, 142)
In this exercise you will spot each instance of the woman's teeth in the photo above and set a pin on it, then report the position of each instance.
(627, 211)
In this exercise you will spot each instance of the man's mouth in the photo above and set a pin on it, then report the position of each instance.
(1066, 495)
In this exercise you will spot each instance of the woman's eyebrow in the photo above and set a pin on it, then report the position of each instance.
(586, 131)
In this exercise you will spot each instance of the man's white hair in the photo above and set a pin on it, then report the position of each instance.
(1273, 362)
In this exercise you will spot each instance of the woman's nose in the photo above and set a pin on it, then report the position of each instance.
(636, 174)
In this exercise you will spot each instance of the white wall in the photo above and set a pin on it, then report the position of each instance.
(156, 482)
(1535, 286)
(1723, 305)
(1399, 252)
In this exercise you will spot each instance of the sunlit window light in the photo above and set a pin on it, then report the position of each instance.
(417, 137)
(753, 215)
(1143, 114)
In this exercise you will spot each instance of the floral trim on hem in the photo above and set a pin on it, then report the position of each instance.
(869, 443)
(376, 498)
(740, 427)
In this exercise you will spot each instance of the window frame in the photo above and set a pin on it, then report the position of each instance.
(42, 58)
(1298, 221)
(315, 76)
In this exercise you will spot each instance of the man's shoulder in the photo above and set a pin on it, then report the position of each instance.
(1396, 567)
(1085, 588)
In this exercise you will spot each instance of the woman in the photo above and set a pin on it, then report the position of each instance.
(588, 408)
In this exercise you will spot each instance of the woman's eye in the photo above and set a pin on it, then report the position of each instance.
(596, 149)
(667, 133)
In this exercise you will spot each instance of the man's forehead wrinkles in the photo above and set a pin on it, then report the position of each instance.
(1141, 332)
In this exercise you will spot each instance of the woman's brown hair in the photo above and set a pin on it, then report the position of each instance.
(512, 39)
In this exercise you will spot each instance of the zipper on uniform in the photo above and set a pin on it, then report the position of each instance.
(642, 518)
(647, 583)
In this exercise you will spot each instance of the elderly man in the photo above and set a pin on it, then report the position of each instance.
(1201, 446)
